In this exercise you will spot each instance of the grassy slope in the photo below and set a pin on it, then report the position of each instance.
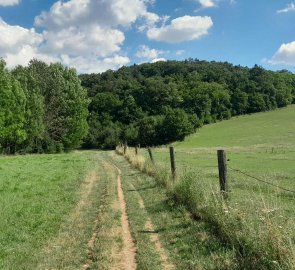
(261, 129)
(262, 145)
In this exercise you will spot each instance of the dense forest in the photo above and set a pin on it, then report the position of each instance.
(49, 108)
(154, 104)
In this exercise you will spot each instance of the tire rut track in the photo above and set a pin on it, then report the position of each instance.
(154, 236)
(91, 242)
(129, 249)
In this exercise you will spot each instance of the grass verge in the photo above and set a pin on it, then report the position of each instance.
(189, 244)
(258, 244)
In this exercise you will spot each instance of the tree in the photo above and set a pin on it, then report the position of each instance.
(12, 112)
(148, 130)
(175, 126)
(34, 110)
(65, 110)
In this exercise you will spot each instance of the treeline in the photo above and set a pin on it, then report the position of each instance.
(48, 108)
(153, 104)
(43, 109)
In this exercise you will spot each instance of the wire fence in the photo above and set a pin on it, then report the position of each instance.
(261, 180)
(229, 167)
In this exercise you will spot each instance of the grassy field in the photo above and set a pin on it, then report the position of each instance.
(37, 195)
(261, 145)
(64, 212)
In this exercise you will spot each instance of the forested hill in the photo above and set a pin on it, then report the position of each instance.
(44, 108)
(158, 103)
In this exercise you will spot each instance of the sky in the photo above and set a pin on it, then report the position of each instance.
(96, 35)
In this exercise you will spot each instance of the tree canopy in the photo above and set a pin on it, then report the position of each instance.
(43, 108)
(154, 104)
(49, 108)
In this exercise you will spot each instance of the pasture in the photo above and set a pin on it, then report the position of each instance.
(260, 148)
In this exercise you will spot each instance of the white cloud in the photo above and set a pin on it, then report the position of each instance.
(13, 37)
(90, 32)
(181, 29)
(207, 3)
(110, 13)
(9, 2)
(84, 40)
(290, 7)
(86, 34)
(285, 54)
(95, 65)
(25, 54)
(211, 3)
(158, 60)
(147, 53)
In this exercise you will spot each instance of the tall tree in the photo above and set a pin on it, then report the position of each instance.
(12, 112)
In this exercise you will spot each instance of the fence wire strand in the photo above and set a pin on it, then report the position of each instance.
(261, 180)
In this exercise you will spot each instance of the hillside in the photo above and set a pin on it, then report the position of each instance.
(156, 104)
(266, 129)
(257, 218)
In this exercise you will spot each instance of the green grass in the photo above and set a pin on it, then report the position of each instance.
(262, 145)
(274, 128)
(37, 194)
(189, 244)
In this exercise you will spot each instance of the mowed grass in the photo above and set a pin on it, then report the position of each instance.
(260, 145)
(37, 193)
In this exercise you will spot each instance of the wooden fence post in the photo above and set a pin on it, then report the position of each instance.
(222, 168)
(173, 162)
(151, 155)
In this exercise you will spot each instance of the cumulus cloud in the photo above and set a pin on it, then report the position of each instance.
(9, 2)
(12, 37)
(181, 29)
(83, 41)
(25, 54)
(284, 55)
(86, 34)
(110, 13)
(289, 8)
(19, 45)
(147, 53)
(95, 65)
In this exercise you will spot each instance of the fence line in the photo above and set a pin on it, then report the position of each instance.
(173, 168)
(261, 180)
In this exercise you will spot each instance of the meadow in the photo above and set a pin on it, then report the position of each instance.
(37, 195)
(258, 218)
(62, 211)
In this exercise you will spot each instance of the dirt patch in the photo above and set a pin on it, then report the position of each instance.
(129, 249)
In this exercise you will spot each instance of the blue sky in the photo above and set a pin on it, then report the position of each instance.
(95, 35)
